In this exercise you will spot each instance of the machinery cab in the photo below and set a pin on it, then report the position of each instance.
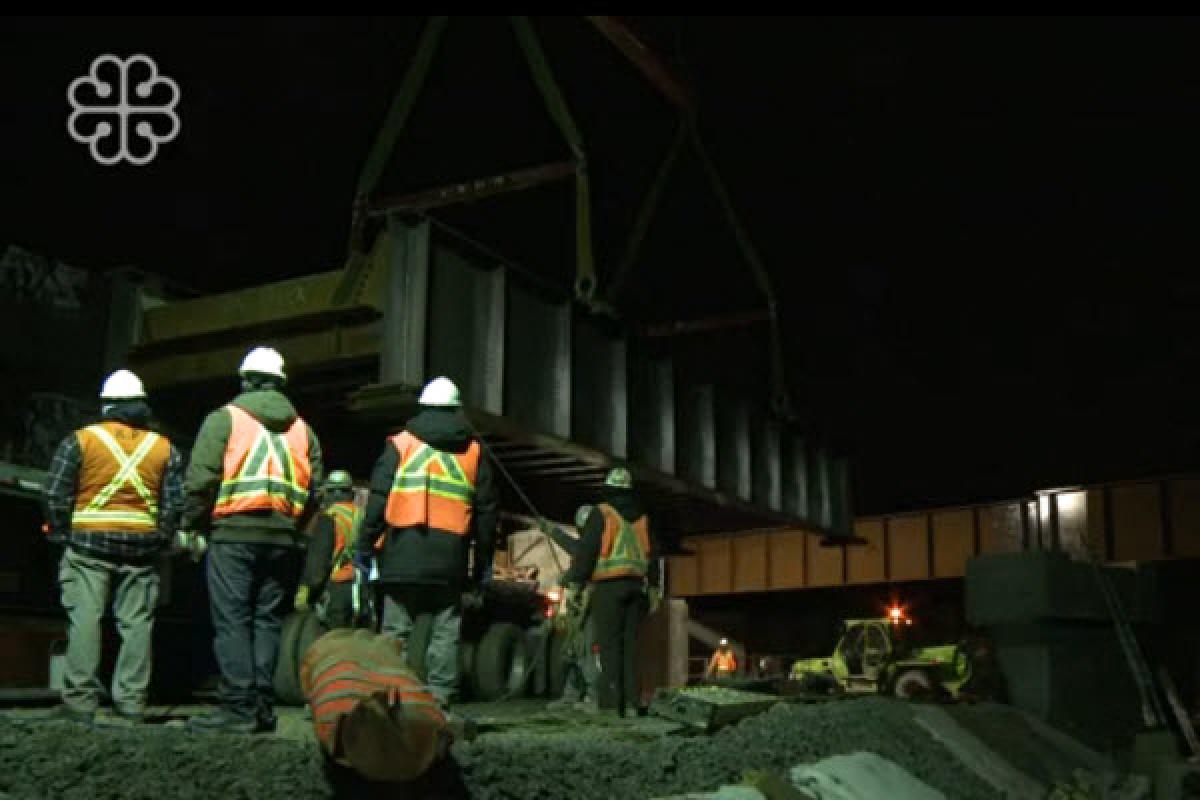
(863, 654)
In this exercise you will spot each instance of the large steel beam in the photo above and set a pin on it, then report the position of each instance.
(478, 189)
(652, 412)
(733, 446)
(406, 305)
(537, 379)
(466, 327)
(698, 435)
(677, 92)
(599, 398)
(796, 478)
(768, 468)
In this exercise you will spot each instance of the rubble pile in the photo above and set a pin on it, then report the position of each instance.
(587, 763)
(50, 759)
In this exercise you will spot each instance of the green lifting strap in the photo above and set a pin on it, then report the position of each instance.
(585, 271)
(780, 398)
(646, 213)
(402, 104)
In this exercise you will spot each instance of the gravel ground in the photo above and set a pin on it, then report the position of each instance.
(585, 762)
(521, 753)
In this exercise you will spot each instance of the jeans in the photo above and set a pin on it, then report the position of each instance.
(402, 604)
(247, 586)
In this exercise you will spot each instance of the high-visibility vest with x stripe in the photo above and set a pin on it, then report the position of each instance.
(625, 548)
(432, 487)
(120, 476)
(263, 470)
(345, 518)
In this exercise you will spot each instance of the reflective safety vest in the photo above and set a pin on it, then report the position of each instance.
(345, 530)
(432, 488)
(724, 661)
(369, 709)
(120, 475)
(264, 471)
(625, 549)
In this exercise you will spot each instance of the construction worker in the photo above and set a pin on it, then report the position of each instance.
(113, 498)
(247, 491)
(723, 664)
(432, 493)
(616, 550)
(329, 566)
(575, 626)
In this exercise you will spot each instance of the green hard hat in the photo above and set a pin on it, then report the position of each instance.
(339, 479)
(619, 478)
(581, 515)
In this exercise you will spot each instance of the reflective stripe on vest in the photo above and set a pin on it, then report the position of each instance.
(345, 529)
(263, 470)
(113, 507)
(625, 549)
(432, 487)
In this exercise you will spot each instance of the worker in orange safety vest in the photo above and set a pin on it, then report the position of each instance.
(328, 582)
(723, 664)
(248, 491)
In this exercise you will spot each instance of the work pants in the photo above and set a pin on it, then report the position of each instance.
(86, 583)
(617, 608)
(402, 604)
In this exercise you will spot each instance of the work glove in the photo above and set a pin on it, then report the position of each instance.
(545, 525)
(53, 535)
(654, 596)
(301, 599)
(192, 543)
(574, 599)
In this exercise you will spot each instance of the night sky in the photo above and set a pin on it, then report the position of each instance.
(983, 232)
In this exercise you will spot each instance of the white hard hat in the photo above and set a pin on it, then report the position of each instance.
(724, 643)
(440, 393)
(263, 360)
(123, 385)
(619, 478)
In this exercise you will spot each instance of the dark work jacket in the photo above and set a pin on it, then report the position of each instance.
(591, 538)
(419, 554)
(318, 563)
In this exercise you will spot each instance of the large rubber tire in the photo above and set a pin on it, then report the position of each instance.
(466, 667)
(502, 665)
(311, 629)
(287, 679)
(418, 643)
(556, 665)
(913, 684)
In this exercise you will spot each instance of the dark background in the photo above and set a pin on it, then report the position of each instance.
(983, 231)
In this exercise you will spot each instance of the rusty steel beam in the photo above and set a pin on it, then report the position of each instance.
(478, 189)
(706, 324)
(653, 68)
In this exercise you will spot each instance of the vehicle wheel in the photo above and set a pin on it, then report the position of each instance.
(418, 643)
(913, 684)
(501, 662)
(556, 665)
(466, 667)
(287, 679)
(311, 628)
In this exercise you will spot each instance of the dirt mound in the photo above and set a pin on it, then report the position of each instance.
(595, 763)
(59, 760)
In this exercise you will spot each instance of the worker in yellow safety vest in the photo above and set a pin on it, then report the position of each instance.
(617, 558)
(113, 498)
(432, 502)
(248, 491)
(328, 581)
(723, 664)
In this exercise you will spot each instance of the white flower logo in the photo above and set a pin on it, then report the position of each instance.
(94, 121)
